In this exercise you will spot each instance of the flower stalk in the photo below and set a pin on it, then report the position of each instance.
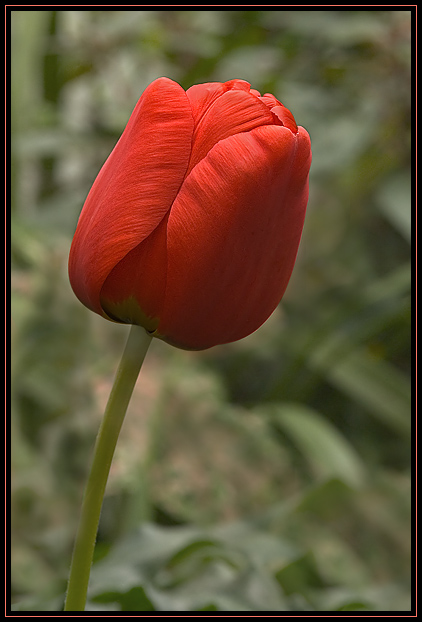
(126, 376)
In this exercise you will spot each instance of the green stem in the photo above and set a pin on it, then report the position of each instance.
(127, 374)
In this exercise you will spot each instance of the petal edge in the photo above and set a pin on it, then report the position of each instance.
(128, 199)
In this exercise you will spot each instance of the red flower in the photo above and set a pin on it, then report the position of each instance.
(192, 226)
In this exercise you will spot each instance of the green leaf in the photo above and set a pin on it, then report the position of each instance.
(395, 202)
(133, 600)
(355, 606)
(391, 287)
(371, 381)
(208, 546)
(327, 451)
(328, 501)
(300, 576)
(210, 607)
(192, 560)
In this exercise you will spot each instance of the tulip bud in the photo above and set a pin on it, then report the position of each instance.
(192, 226)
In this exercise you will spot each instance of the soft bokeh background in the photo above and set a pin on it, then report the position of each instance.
(267, 475)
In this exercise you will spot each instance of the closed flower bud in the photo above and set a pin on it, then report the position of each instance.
(192, 226)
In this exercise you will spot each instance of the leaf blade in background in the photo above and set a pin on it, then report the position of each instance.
(326, 450)
(372, 382)
(395, 203)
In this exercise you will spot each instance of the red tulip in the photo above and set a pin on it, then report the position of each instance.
(192, 226)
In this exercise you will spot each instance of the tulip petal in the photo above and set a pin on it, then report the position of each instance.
(280, 112)
(201, 96)
(285, 116)
(134, 290)
(233, 234)
(134, 189)
(234, 111)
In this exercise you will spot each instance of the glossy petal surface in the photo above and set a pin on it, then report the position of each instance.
(233, 112)
(233, 235)
(228, 112)
(192, 226)
(134, 189)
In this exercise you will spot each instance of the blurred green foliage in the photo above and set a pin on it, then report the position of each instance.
(269, 474)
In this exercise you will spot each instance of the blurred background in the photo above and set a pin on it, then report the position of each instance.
(272, 474)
